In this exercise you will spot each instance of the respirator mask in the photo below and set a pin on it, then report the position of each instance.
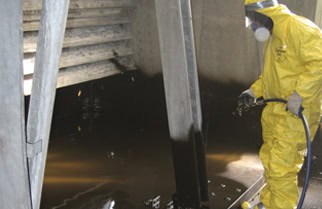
(261, 24)
(262, 34)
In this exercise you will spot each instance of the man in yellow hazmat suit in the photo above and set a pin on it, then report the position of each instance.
(292, 71)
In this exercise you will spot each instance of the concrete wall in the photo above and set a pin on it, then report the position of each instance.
(224, 54)
(318, 15)
(303, 8)
(227, 52)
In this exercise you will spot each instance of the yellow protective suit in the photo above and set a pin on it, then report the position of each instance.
(293, 62)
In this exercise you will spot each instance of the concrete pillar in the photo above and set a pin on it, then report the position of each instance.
(49, 48)
(183, 100)
(14, 185)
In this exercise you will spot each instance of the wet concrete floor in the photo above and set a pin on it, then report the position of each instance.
(97, 165)
(89, 168)
(121, 161)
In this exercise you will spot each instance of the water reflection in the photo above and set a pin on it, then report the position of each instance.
(99, 161)
(113, 168)
(109, 204)
(72, 202)
(106, 167)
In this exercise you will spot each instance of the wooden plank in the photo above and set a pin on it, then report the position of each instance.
(82, 55)
(34, 15)
(83, 22)
(83, 36)
(51, 36)
(14, 186)
(80, 4)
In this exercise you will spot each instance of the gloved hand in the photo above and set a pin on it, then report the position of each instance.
(246, 100)
(294, 103)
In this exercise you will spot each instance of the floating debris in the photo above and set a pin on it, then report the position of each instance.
(222, 186)
(169, 205)
(111, 155)
(153, 202)
(238, 190)
(227, 199)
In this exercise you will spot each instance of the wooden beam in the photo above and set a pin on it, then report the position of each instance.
(49, 47)
(14, 188)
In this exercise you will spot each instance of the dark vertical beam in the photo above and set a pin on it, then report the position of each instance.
(183, 100)
(49, 47)
(14, 183)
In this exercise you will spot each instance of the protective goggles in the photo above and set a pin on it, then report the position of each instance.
(260, 5)
(248, 22)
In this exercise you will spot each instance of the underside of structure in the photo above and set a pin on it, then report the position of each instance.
(97, 40)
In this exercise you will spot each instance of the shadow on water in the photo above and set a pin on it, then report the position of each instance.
(110, 146)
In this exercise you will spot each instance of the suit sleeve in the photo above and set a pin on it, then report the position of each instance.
(257, 87)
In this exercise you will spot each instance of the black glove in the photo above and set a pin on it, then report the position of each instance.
(246, 100)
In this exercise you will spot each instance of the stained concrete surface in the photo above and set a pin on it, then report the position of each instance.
(118, 151)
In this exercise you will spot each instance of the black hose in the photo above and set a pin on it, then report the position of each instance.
(309, 151)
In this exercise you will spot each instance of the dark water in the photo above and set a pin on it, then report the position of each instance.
(96, 160)
(87, 168)
(110, 148)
